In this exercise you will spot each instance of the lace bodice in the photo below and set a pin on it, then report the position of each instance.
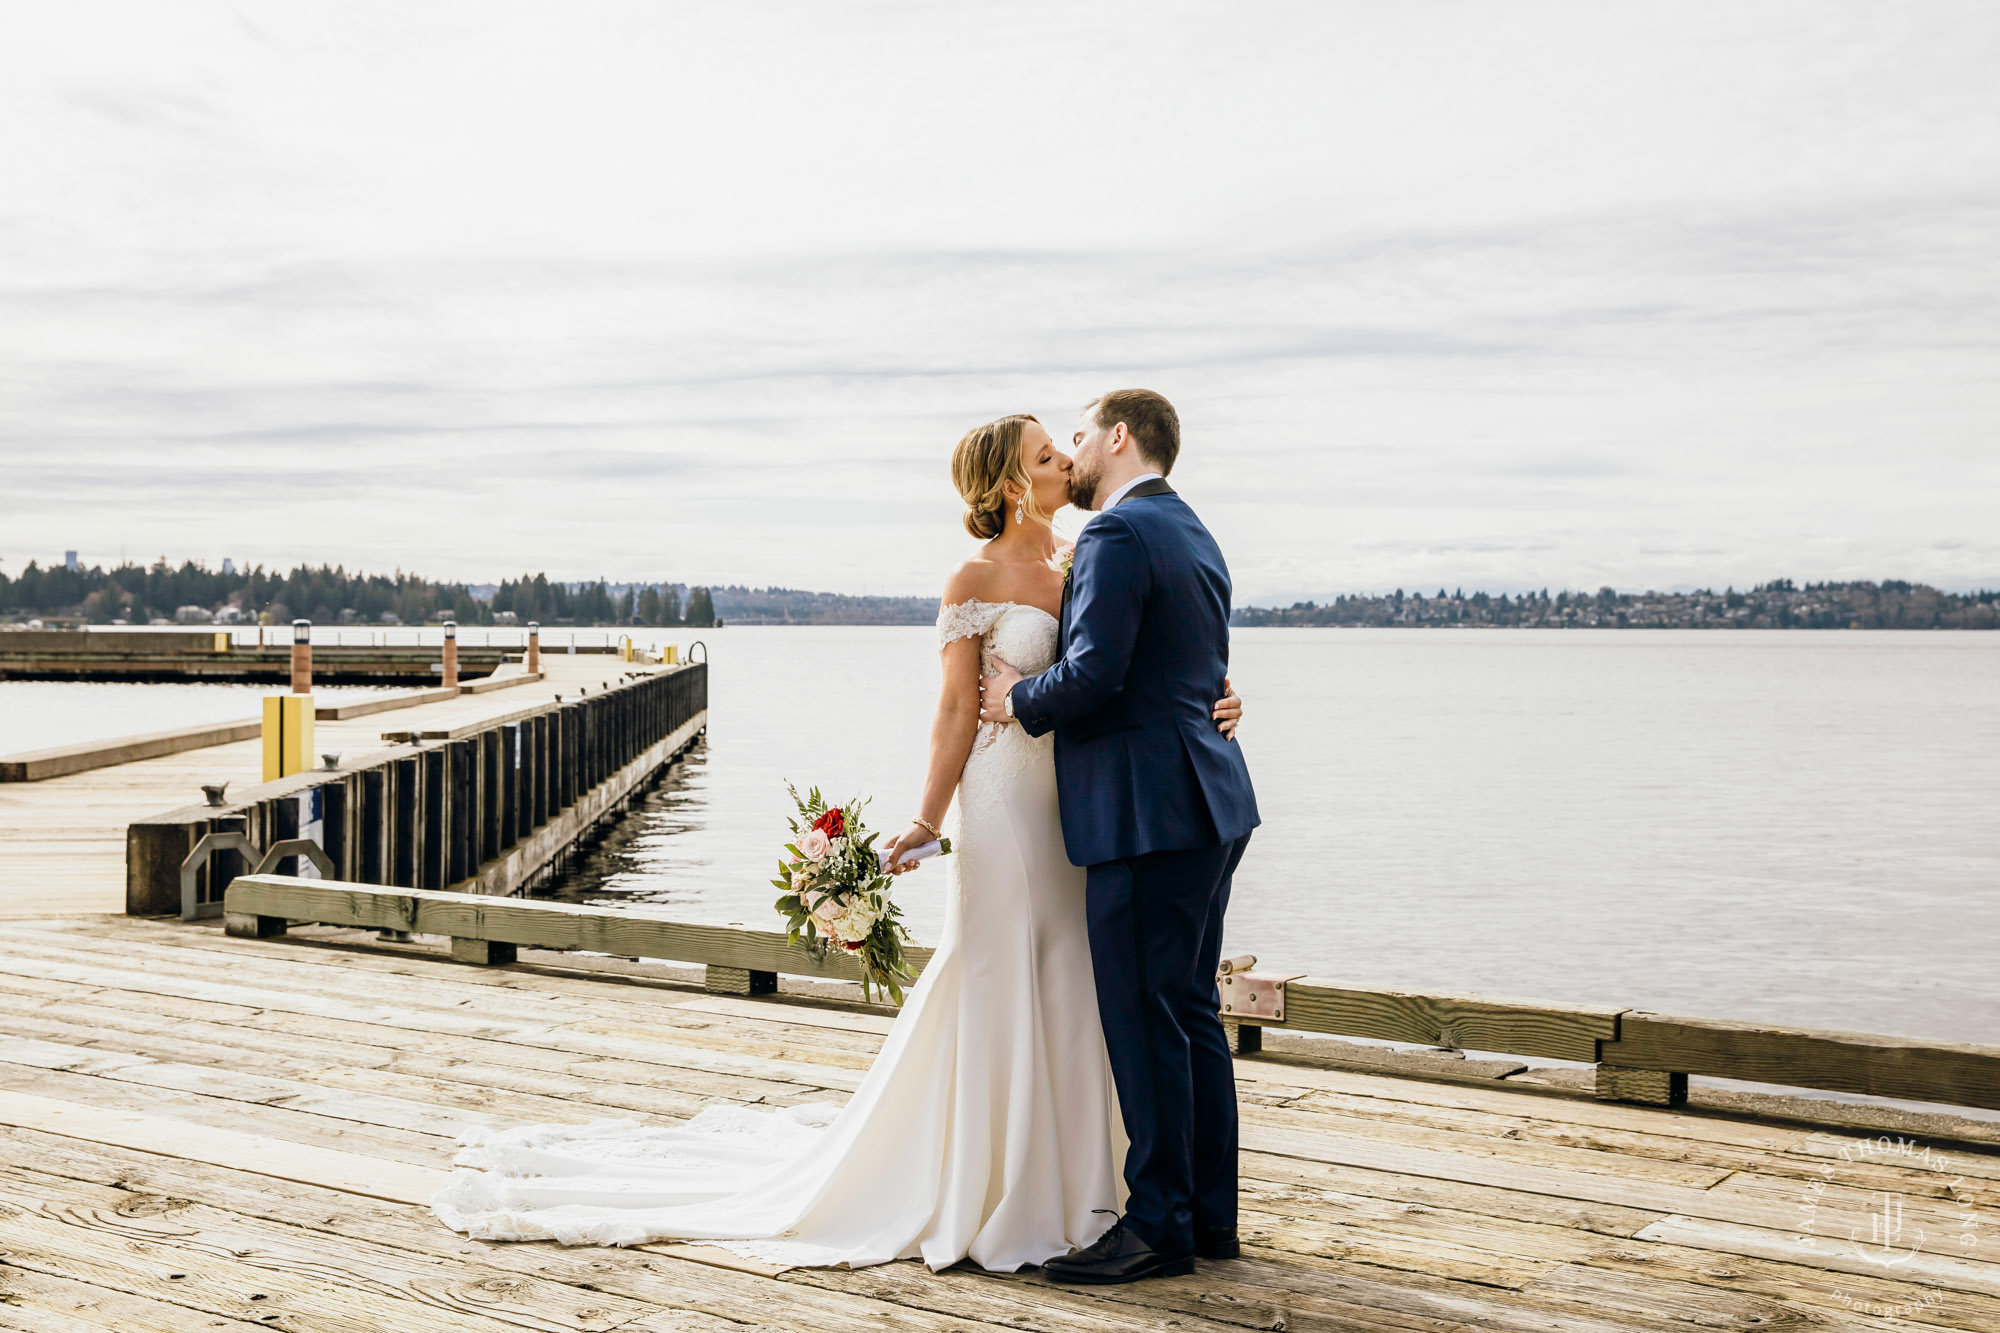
(1026, 637)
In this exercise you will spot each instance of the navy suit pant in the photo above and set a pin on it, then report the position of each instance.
(1155, 940)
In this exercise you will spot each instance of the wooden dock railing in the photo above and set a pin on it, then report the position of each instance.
(483, 807)
(1640, 1057)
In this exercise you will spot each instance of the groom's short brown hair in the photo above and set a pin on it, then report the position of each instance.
(1149, 419)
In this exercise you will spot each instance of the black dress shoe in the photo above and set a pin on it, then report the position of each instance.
(1217, 1243)
(1116, 1256)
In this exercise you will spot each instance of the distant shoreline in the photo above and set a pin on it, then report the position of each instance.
(194, 597)
(1891, 604)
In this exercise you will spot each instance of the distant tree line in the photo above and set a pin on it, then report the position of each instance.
(329, 595)
(794, 606)
(601, 603)
(1779, 604)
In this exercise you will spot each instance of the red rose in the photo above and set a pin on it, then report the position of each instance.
(832, 823)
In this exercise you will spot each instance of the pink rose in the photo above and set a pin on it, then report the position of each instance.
(814, 844)
(799, 880)
(828, 910)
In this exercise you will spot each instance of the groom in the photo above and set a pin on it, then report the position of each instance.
(1158, 807)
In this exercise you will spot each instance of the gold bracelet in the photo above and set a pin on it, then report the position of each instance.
(928, 827)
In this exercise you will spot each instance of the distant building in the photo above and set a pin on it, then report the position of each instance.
(193, 615)
(229, 615)
(228, 566)
(69, 561)
(506, 618)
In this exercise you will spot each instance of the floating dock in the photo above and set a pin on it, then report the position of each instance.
(215, 657)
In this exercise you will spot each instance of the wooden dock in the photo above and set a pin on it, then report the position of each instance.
(63, 840)
(212, 1133)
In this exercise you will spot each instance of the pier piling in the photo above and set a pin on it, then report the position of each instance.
(485, 807)
(451, 654)
(302, 657)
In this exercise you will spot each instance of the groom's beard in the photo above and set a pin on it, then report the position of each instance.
(1083, 488)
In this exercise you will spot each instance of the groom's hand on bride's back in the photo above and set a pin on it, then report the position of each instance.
(994, 689)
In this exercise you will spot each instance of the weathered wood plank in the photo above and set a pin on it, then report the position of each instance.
(628, 1051)
(470, 1014)
(352, 1173)
(1960, 1075)
(1335, 1180)
(1649, 1195)
(201, 1233)
(306, 1128)
(443, 1111)
(1659, 1142)
(1417, 1099)
(1723, 1295)
(1467, 1022)
(71, 1245)
(1951, 1272)
(34, 1302)
(1312, 1294)
(649, 1274)
(1600, 1154)
(631, 1085)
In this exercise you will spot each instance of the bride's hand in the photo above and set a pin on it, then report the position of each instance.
(911, 838)
(1228, 710)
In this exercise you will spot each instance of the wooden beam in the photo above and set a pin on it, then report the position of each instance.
(1651, 1087)
(625, 932)
(1807, 1058)
(1463, 1022)
(36, 765)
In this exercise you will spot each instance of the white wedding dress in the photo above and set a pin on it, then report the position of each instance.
(987, 1128)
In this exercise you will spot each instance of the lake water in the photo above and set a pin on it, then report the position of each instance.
(1787, 827)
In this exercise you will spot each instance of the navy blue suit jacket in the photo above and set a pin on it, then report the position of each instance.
(1140, 766)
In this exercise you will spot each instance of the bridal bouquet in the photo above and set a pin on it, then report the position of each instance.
(835, 892)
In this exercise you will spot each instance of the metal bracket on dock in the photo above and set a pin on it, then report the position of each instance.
(233, 841)
(1249, 996)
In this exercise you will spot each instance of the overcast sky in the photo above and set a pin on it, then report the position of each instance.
(1500, 295)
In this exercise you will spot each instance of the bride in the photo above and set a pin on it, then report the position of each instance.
(988, 1127)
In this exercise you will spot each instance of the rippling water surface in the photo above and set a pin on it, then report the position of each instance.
(1784, 826)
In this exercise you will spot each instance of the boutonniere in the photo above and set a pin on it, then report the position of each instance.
(1065, 556)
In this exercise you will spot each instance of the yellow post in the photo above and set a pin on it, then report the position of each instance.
(222, 641)
(288, 735)
(671, 654)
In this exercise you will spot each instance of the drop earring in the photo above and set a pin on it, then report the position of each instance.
(1021, 510)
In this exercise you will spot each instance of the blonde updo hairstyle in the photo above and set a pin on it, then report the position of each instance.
(987, 461)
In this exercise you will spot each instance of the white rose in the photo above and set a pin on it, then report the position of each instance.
(858, 922)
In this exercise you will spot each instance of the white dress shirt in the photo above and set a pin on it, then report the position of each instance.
(1126, 489)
